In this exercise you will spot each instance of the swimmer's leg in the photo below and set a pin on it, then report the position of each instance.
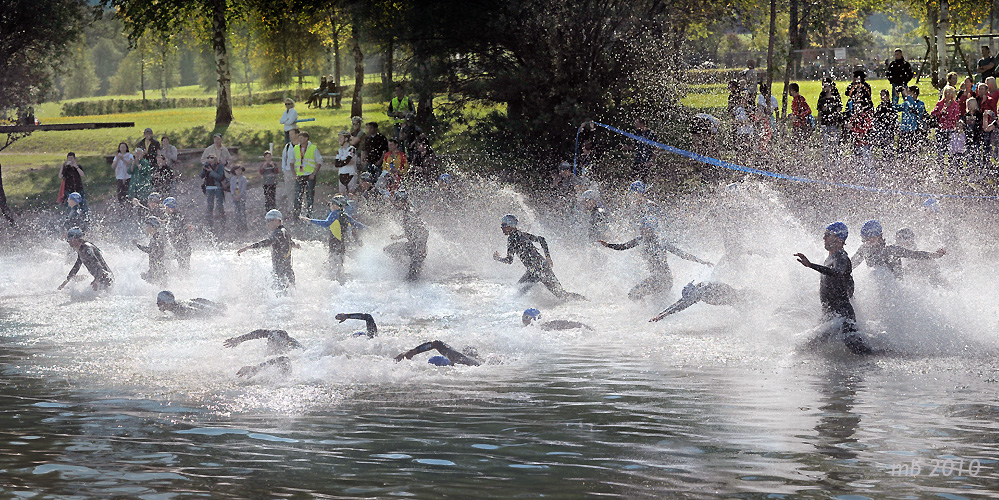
(337, 251)
(677, 306)
(527, 281)
(551, 282)
(397, 250)
(652, 285)
(419, 254)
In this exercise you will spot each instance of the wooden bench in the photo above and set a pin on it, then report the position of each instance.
(185, 155)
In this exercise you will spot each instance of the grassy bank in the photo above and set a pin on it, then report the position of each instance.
(714, 97)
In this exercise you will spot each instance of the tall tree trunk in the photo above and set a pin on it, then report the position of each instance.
(792, 39)
(142, 75)
(336, 57)
(357, 102)
(770, 45)
(931, 25)
(3, 202)
(223, 109)
(163, 74)
(389, 60)
(943, 25)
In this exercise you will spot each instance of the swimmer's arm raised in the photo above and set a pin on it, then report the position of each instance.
(251, 370)
(368, 320)
(621, 246)
(255, 334)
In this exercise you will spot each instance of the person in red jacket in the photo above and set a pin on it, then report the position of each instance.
(947, 113)
(801, 112)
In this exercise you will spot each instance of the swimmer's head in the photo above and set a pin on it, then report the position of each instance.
(870, 230)
(835, 236)
(165, 299)
(170, 202)
(688, 289)
(445, 179)
(154, 198)
(75, 198)
(637, 187)
(932, 205)
(508, 223)
(74, 234)
(339, 200)
(152, 224)
(400, 198)
(439, 361)
(530, 315)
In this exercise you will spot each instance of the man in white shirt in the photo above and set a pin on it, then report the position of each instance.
(288, 118)
(220, 152)
(288, 169)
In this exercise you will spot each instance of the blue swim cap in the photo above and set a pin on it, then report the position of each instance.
(75, 197)
(532, 312)
(439, 361)
(637, 187)
(170, 202)
(509, 220)
(688, 289)
(74, 233)
(839, 229)
(871, 228)
(445, 178)
(165, 296)
(932, 204)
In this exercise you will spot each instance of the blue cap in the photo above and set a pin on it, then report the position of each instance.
(932, 204)
(688, 289)
(75, 197)
(165, 296)
(273, 214)
(871, 228)
(439, 361)
(637, 187)
(839, 229)
(532, 312)
(509, 220)
(170, 202)
(445, 178)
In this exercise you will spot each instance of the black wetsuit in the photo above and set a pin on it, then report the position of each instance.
(835, 290)
(415, 246)
(368, 320)
(89, 255)
(76, 218)
(888, 256)
(280, 243)
(176, 230)
(196, 308)
(157, 258)
(597, 224)
(563, 324)
(654, 250)
(521, 244)
(455, 357)
(716, 294)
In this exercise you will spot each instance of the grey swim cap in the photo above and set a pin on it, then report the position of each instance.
(153, 222)
(165, 296)
(509, 220)
(74, 233)
(273, 214)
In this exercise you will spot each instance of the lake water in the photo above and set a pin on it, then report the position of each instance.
(104, 396)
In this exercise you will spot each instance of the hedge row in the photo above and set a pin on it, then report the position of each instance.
(722, 75)
(115, 106)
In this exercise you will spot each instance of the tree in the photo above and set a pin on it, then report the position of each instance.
(79, 79)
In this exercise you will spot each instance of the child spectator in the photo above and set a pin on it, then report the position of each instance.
(269, 172)
(948, 113)
(237, 187)
(830, 110)
(742, 124)
(885, 125)
(972, 127)
(913, 116)
(801, 113)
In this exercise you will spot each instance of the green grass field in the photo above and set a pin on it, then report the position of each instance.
(715, 96)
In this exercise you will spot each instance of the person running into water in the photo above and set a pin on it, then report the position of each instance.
(177, 230)
(370, 321)
(278, 341)
(716, 294)
(836, 287)
(531, 315)
(88, 255)
(539, 269)
(654, 250)
(281, 244)
(342, 229)
(876, 253)
(414, 231)
(156, 249)
(447, 357)
(75, 216)
(927, 270)
(194, 308)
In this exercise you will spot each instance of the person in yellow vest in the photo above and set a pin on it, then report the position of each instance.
(308, 161)
(400, 107)
(342, 228)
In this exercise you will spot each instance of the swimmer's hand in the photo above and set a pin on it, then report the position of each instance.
(941, 252)
(341, 317)
(496, 256)
(294, 244)
(302, 217)
(231, 342)
(602, 242)
(63, 285)
(240, 251)
(804, 260)
(397, 237)
(402, 357)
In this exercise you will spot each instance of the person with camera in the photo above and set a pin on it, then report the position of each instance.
(213, 172)
(72, 177)
(898, 73)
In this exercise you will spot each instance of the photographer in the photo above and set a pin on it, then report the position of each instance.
(898, 72)
(72, 177)
(213, 173)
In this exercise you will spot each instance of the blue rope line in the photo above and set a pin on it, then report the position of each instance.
(731, 166)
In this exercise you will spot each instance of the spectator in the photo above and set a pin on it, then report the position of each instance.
(860, 90)
(948, 113)
(991, 95)
(237, 187)
(743, 125)
(308, 161)
(885, 125)
(767, 105)
(972, 124)
(170, 151)
(394, 165)
(987, 64)
(750, 76)
(269, 173)
(967, 91)
(642, 167)
(913, 115)
(122, 163)
(400, 108)
(375, 146)
(288, 169)
(213, 173)
(162, 173)
(899, 72)
(220, 152)
(149, 144)
(423, 163)
(288, 118)
(316, 98)
(801, 113)
(346, 163)
(408, 135)
(988, 133)
(332, 93)
(72, 177)
(830, 109)
(734, 94)
(142, 176)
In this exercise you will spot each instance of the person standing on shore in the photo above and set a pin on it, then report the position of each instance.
(269, 173)
(121, 164)
(72, 176)
(289, 117)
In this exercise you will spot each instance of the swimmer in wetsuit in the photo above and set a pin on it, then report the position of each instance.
(281, 244)
(88, 255)
(414, 232)
(531, 315)
(448, 355)
(927, 270)
(654, 250)
(194, 308)
(278, 341)
(876, 253)
(539, 269)
(716, 294)
(836, 286)
(156, 249)
(370, 321)
(342, 229)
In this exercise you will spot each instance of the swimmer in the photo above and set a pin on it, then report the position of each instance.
(876, 253)
(278, 341)
(370, 321)
(716, 294)
(414, 232)
(836, 286)
(448, 355)
(156, 249)
(75, 216)
(342, 230)
(281, 244)
(531, 315)
(194, 308)
(177, 230)
(88, 255)
(596, 222)
(920, 269)
(539, 269)
(654, 250)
